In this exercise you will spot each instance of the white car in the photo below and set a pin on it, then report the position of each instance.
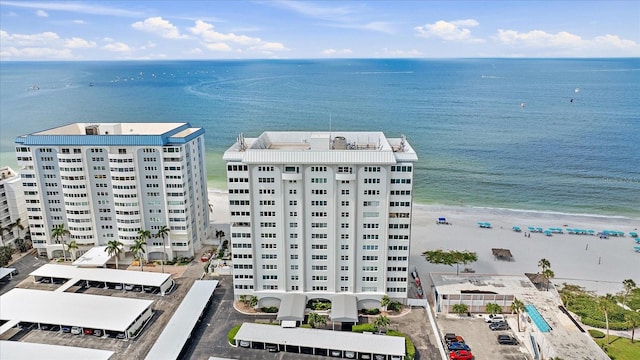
(494, 318)
(76, 330)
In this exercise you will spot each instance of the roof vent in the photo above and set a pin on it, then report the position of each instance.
(91, 130)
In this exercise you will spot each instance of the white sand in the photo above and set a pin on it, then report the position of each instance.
(601, 267)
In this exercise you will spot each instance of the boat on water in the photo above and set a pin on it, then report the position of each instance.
(33, 87)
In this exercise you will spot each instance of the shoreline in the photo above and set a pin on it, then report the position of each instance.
(598, 265)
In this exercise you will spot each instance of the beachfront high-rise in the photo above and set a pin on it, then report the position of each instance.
(320, 214)
(107, 181)
(13, 212)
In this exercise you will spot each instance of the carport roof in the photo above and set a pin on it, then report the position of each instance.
(95, 257)
(115, 314)
(323, 339)
(178, 330)
(292, 307)
(103, 275)
(5, 271)
(15, 350)
(344, 308)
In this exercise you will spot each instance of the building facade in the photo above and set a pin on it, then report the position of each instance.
(320, 214)
(107, 181)
(13, 212)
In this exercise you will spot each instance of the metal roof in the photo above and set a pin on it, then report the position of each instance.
(344, 308)
(95, 257)
(319, 157)
(292, 307)
(91, 311)
(15, 350)
(178, 330)
(5, 271)
(101, 274)
(324, 339)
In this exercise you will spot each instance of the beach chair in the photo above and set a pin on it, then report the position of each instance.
(637, 249)
(638, 241)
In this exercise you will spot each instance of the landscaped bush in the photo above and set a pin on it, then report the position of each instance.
(231, 336)
(374, 311)
(596, 334)
(411, 349)
(394, 306)
(270, 309)
(305, 326)
(363, 328)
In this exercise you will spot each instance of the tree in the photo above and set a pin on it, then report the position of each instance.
(629, 285)
(72, 247)
(315, 320)
(493, 308)
(460, 309)
(381, 322)
(544, 264)
(450, 257)
(633, 319)
(59, 232)
(3, 229)
(162, 233)
(548, 275)
(253, 301)
(517, 307)
(114, 248)
(605, 303)
(385, 301)
(5, 254)
(18, 224)
(137, 248)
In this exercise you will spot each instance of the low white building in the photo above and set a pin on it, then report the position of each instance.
(13, 210)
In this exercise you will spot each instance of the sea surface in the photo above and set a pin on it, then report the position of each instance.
(558, 135)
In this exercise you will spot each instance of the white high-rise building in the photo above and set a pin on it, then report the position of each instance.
(12, 207)
(320, 214)
(107, 181)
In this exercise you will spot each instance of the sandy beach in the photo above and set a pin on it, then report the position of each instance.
(599, 265)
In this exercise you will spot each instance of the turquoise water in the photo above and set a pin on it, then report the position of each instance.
(536, 134)
(537, 319)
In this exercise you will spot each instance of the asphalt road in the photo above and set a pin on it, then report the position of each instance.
(24, 265)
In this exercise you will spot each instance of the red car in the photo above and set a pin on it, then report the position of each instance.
(460, 355)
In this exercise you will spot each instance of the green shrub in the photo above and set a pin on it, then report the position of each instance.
(363, 328)
(394, 306)
(231, 336)
(270, 309)
(374, 311)
(596, 334)
(411, 349)
(305, 326)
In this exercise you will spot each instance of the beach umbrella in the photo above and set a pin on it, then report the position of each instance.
(591, 232)
(516, 228)
(633, 234)
(531, 228)
(547, 232)
(539, 229)
(487, 224)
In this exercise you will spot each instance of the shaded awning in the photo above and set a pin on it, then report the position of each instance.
(344, 308)
(292, 307)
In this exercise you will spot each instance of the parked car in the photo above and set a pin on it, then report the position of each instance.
(88, 331)
(460, 355)
(450, 337)
(97, 332)
(244, 344)
(128, 287)
(66, 329)
(121, 336)
(507, 340)
(75, 330)
(458, 346)
(494, 318)
(118, 287)
(350, 354)
(54, 328)
(499, 326)
(272, 348)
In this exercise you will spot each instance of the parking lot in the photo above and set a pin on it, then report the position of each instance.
(483, 341)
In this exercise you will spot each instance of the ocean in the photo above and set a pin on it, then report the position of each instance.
(548, 135)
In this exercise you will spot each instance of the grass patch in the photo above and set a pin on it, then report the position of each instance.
(231, 335)
(585, 305)
(596, 334)
(620, 348)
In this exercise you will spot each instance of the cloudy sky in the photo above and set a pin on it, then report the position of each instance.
(130, 30)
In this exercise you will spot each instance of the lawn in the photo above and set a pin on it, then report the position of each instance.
(620, 348)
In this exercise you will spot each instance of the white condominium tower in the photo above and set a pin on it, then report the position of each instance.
(13, 213)
(107, 181)
(321, 214)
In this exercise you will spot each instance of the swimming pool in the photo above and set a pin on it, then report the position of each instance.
(537, 319)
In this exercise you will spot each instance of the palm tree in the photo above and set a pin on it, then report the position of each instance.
(381, 322)
(548, 275)
(460, 309)
(59, 232)
(493, 308)
(605, 304)
(314, 320)
(163, 232)
(385, 301)
(138, 249)
(629, 285)
(73, 246)
(114, 248)
(544, 264)
(633, 319)
(517, 307)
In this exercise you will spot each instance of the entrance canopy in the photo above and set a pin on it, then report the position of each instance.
(15, 350)
(95, 257)
(344, 308)
(292, 307)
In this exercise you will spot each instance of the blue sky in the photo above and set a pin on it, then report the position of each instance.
(163, 30)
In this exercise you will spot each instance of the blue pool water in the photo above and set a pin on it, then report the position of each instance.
(535, 316)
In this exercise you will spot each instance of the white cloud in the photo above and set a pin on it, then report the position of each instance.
(78, 7)
(79, 43)
(401, 53)
(218, 41)
(160, 27)
(457, 30)
(42, 13)
(330, 52)
(79, 22)
(539, 38)
(43, 38)
(117, 47)
(615, 41)
(36, 53)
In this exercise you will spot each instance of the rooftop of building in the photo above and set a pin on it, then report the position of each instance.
(111, 129)
(7, 173)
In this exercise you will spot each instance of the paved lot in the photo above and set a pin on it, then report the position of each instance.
(25, 264)
(483, 341)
